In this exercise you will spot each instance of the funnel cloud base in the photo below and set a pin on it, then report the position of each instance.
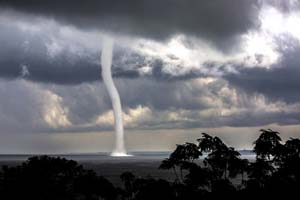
(119, 154)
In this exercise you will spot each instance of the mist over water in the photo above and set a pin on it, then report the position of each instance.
(106, 62)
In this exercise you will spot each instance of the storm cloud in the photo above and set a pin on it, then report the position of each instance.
(218, 21)
(180, 66)
(279, 82)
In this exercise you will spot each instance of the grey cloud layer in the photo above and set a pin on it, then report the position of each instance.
(280, 82)
(20, 49)
(218, 21)
(252, 97)
(51, 61)
(173, 105)
(221, 23)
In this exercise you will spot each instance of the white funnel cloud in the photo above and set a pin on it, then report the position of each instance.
(106, 61)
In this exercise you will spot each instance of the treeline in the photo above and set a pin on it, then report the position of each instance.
(222, 174)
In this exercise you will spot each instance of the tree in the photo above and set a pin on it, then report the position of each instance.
(186, 152)
(128, 180)
(224, 159)
(260, 171)
(206, 143)
(47, 178)
(169, 163)
(267, 144)
(220, 158)
(198, 177)
(232, 158)
(293, 147)
(149, 189)
(243, 167)
(288, 159)
(181, 157)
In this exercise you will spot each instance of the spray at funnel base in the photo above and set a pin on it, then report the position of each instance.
(106, 61)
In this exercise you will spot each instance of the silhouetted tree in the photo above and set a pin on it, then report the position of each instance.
(259, 171)
(149, 189)
(289, 159)
(182, 155)
(128, 180)
(242, 166)
(222, 188)
(221, 158)
(44, 177)
(198, 177)
(208, 143)
(186, 152)
(267, 144)
(90, 186)
(170, 163)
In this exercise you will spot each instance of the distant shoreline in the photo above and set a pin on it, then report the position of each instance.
(135, 153)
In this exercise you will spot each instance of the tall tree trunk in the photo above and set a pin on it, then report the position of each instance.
(181, 175)
(242, 178)
(225, 172)
(175, 172)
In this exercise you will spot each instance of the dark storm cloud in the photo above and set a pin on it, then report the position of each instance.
(42, 69)
(280, 82)
(220, 21)
(20, 50)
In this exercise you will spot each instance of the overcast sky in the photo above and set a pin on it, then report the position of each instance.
(228, 67)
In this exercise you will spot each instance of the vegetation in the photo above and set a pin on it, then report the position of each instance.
(222, 173)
